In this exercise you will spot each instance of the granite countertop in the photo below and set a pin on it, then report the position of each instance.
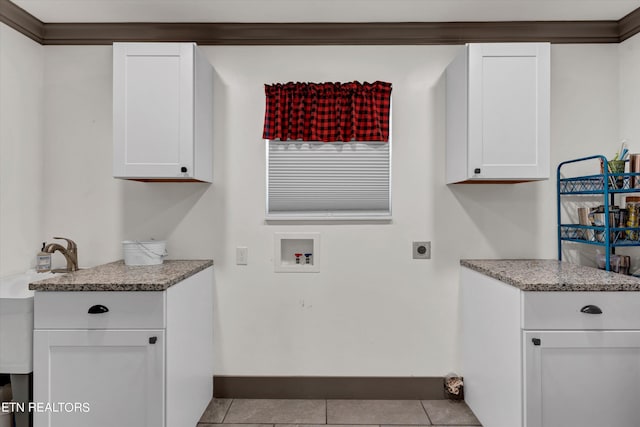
(116, 276)
(552, 275)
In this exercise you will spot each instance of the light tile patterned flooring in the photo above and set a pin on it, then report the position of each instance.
(337, 413)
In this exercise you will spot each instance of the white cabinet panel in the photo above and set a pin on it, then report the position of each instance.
(507, 127)
(498, 106)
(152, 96)
(189, 349)
(582, 378)
(119, 373)
(162, 110)
(126, 310)
(563, 310)
(491, 338)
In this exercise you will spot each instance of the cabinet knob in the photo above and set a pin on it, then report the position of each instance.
(591, 309)
(183, 169)
(536, 341)
(476, 170)
(97, 309)
(153, 340)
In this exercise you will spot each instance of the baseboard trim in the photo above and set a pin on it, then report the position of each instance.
(385, 388)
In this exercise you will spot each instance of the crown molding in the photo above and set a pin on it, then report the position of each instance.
(629, 26)
(405, 33)
(21, 21)
(371, 33)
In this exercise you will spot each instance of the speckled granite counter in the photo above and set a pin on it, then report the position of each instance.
(116, 276)
(552, 275)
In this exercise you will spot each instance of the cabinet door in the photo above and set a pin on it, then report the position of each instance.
(119, 374)
(509, 98)
(153, 109)
(582, 378)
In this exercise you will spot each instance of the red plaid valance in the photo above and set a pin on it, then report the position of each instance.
(327, 111)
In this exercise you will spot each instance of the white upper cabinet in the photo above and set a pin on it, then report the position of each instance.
(498, 107)
(162, 112)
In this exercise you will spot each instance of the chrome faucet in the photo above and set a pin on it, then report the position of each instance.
(70, 253)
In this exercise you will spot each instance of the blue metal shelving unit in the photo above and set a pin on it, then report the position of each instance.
(616, 183)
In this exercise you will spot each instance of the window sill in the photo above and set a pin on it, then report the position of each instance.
(327, 218)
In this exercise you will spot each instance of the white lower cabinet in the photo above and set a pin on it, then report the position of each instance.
(537, 359)
(117, 376)
(582, 378)
(126, 359)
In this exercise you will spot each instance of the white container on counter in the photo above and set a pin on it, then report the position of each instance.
(150, 252)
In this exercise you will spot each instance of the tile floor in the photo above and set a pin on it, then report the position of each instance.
(337, 413)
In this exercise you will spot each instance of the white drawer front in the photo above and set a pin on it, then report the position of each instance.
(126, 310)
(562, 310)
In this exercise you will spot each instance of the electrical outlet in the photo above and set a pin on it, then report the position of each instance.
(242, 256)
(421, 250)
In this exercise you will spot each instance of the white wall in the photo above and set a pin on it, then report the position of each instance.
(629, 88)
(629, 109)
(83, 201)
(21, 143)
(372, 310)
(585, 111)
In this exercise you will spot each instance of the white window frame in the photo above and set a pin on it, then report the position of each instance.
(330, 215)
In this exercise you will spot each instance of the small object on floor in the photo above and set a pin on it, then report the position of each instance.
(454, 387)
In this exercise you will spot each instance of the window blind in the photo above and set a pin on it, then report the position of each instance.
(328, 179)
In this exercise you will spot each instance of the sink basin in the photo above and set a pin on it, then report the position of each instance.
(16, 322)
